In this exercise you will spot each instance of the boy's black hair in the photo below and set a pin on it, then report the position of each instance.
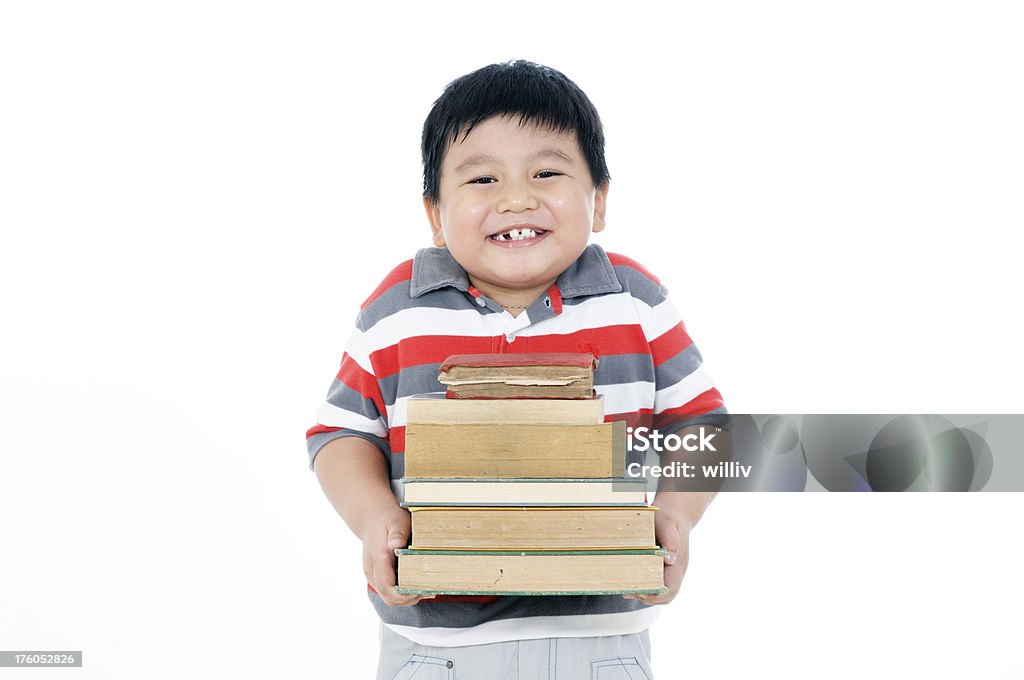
(537, 94)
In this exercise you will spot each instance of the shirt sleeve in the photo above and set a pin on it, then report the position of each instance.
(354, 406)
(684, 392)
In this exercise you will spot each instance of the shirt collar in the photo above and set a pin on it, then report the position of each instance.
(435, 268)
(591, 274)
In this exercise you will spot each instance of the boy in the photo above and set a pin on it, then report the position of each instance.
(514, 183)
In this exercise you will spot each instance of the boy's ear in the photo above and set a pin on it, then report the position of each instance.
(434, 217)
(600, 205)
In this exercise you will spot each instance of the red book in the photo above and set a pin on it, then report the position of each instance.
(542, 375)
(577, 359)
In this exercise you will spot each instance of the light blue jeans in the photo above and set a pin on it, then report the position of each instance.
(615, 657)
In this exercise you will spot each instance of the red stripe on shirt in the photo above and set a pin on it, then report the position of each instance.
(603, 341)
(353, 376)
(555, 295)
(669, 344)
(319, 429)
(634, 419)
(623, 261)
(396, 440)
(427, 349)
(433, 349)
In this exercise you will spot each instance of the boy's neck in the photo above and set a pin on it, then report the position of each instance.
(514, 300)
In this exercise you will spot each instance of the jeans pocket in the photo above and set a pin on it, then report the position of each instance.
(618, 668)
(423, 667)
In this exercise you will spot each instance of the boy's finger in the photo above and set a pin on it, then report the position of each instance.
(384, 580)
(388, 594)
(400, 600)
(673, 576)
(673, 580)
(398, 535)
(674, 573)
(669, 539)
(396, 599)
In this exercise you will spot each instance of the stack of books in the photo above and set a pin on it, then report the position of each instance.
(516, 485)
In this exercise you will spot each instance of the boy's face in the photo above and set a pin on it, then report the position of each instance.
(506, 177)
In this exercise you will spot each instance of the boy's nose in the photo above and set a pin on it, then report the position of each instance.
(516, 198)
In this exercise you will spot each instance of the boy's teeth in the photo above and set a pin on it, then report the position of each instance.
(517, 234)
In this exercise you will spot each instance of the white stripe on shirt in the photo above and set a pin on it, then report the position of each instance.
(684, 391)
(333, 416)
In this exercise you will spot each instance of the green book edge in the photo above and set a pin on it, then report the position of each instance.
(639, 484)
(526, 553)
(408, 591)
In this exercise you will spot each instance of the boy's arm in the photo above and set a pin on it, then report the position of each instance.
(678, 513)
(354, 477)
(683, 391)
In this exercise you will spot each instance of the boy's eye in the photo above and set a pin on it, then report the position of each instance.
(544, 174)
(482, 180)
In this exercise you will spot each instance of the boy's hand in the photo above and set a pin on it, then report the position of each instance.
(672, 531)
(678, 513)
(382, 534)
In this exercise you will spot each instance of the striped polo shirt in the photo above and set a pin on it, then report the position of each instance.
(649, 374)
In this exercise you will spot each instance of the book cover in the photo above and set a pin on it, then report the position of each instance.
(519, 376)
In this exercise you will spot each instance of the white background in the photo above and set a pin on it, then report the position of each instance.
(196, 196)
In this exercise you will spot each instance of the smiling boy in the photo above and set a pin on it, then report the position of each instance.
(515, 207)
(515, 182)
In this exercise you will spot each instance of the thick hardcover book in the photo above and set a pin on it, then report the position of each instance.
(515, 376)
(524, 492)
(434, 409)
(469, 451)
(580, 572)
(533, 528)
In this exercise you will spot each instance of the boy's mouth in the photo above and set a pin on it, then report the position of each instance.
(521, 234)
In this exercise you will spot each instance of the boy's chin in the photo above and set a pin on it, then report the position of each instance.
(517, 281)
(528, 274)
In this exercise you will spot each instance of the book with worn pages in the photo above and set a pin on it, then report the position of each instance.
(519, 376)
(578, 572)
(533, 528)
